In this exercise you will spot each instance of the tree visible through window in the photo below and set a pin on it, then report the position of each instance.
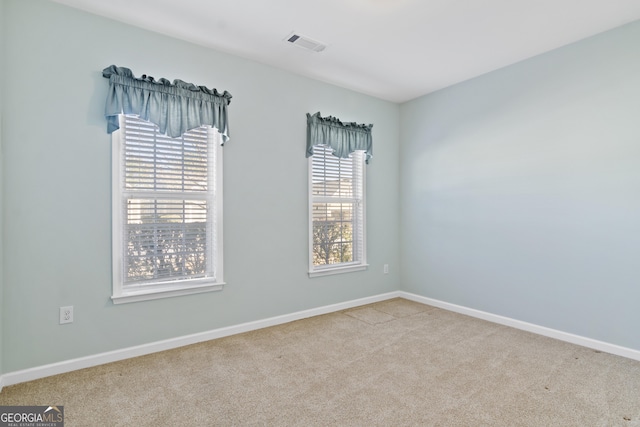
(166, 236)
(337, 210)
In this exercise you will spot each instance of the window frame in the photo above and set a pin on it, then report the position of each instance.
(343, 267)
(123, 293)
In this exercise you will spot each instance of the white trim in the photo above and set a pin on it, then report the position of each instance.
(171, 291)
(116, 207)
(218, 210)
(529, 327)
(141, 350)
(310, 210)
(338, 270)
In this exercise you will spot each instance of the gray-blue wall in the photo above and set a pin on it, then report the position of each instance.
(521, 190)
(516, 193)
(57, 172)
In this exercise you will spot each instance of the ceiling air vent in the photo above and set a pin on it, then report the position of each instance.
(305, 42)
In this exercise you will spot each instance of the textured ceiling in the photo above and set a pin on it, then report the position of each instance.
(392, 49)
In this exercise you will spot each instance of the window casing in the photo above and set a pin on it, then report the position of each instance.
(167, 212)
(337, 241)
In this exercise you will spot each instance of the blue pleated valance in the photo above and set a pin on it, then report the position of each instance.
(174, 107)
(343, 138)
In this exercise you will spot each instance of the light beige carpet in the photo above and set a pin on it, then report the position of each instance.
(394, 363)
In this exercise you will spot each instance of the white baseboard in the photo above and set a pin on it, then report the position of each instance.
(141, 350)
(529, 327)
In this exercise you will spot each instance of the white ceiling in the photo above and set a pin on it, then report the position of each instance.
(392, 49)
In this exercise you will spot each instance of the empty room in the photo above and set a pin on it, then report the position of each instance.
(356, 212)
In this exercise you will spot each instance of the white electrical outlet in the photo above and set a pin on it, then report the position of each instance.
(386, 269)
(66, 315)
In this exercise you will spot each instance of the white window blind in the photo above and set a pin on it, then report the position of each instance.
(337, 231)
(167, 201)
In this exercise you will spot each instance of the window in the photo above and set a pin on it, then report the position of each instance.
(337, 212)
(167, 211)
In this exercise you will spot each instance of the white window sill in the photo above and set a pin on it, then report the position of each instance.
(164, 292)
(337, 270)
